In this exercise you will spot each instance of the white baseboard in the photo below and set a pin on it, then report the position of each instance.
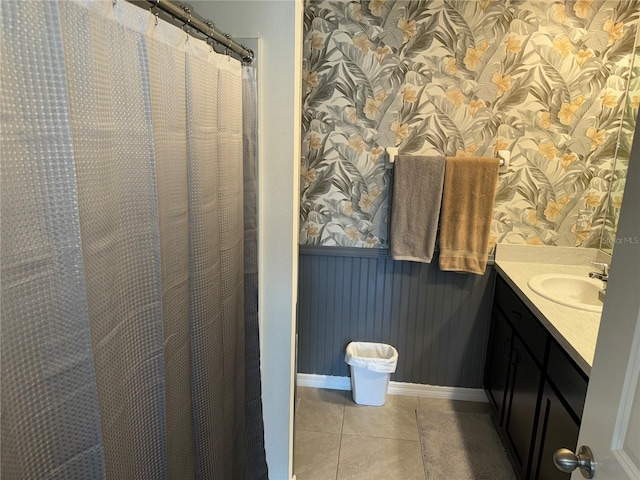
(396, 388)
(323, 381)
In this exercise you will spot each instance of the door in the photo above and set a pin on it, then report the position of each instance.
(611, 418)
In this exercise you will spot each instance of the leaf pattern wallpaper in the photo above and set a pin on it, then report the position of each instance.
(547, 80)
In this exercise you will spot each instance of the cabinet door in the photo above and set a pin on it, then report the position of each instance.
(521, 409)
(497, 366)
(557, 428)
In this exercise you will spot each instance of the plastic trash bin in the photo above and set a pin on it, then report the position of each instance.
(371, 366)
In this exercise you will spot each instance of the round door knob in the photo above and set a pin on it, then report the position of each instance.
(567, 461)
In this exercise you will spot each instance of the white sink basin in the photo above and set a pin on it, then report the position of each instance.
(570, 290)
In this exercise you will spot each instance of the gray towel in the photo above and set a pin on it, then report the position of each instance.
(415, 207)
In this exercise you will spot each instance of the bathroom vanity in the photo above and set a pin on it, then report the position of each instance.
(537, 368)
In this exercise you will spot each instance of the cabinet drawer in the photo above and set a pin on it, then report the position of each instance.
(522, 320)
(570, 382)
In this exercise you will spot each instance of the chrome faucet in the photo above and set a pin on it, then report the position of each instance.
(603, 274)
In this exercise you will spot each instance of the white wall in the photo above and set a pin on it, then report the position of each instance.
(278, 25)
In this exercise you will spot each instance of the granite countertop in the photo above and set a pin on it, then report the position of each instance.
(575, 330)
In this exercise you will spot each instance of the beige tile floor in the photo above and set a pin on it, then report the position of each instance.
(336, 439)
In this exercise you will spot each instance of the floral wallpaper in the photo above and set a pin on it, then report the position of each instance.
(547, 80)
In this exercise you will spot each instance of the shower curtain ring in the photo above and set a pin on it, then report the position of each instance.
(228, 37)
(186, 10)
(212, 29)
(211, 25)
(151, 10)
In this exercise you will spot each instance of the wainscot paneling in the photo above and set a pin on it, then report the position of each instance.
(438, 321)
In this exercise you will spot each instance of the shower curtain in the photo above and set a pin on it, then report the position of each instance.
(129, 334)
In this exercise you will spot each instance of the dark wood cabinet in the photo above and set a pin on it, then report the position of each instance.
(561, 405)
(498, 362)
(519, 424)
(536, 391)
(557, 428)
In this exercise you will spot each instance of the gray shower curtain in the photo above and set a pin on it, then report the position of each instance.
(129, 329)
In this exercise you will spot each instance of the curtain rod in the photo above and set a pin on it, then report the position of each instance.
(184, 14)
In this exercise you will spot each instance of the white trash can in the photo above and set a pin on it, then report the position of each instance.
(371, 366)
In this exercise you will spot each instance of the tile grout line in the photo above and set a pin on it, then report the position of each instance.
(382, 438)
(338, 462)
(424, 470)
(344, 408)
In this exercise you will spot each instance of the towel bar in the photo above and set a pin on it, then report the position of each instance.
(505, 155)
(392, 152)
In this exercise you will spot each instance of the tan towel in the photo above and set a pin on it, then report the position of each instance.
(415, 207)
(467, 209)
